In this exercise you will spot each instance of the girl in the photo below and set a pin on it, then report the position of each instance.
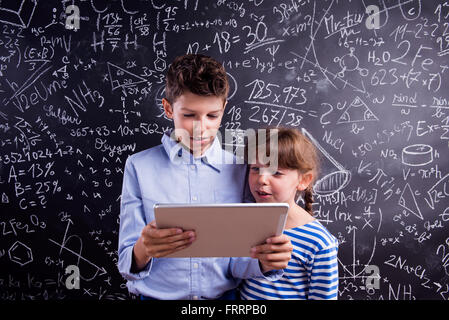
(312, 272)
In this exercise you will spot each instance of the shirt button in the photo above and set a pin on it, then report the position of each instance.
(194, 198)
(195, 265)
(195, 297)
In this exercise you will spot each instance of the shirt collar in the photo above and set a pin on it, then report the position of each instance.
(178, 154)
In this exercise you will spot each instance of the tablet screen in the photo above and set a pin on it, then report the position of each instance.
(223, 230)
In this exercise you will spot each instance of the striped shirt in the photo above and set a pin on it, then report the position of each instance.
(312, 272)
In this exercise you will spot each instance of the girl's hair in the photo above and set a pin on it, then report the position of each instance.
(197, 73)
(295, 151)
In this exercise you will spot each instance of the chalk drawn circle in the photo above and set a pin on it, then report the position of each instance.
(417, 155)
(349, 61)
(363, 72)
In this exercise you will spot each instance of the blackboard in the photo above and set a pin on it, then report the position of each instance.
(369, 85)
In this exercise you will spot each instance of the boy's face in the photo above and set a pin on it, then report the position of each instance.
(196, 119)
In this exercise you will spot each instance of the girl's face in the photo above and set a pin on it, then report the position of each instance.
(278, 187)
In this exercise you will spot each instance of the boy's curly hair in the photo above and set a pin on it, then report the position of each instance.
(197, 73)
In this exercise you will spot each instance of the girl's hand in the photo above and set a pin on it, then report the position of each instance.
(274, 254)
(157, 243)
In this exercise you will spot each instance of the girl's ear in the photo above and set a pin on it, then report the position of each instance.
(168, 109)
(304, 181)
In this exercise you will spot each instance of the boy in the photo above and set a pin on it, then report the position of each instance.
(187, 168)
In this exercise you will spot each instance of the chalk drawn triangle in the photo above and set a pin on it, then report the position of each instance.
(407, 201)
(331, 182)
(357, 111)
(5, 198)
(121, 78)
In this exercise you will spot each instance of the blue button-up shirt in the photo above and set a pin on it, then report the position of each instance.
(168, 173)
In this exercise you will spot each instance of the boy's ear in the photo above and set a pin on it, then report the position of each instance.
(225, 103)
(168, 109)
(305, 180)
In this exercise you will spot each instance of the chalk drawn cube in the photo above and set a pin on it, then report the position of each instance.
(20, 253)
(17, 13)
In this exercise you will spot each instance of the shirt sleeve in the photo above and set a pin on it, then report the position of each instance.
(324, 275)
(248, 268)
(132, 221)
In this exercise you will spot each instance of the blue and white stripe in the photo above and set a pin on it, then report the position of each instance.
(312, 272)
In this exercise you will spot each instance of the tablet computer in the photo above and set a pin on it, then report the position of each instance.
(223, 230)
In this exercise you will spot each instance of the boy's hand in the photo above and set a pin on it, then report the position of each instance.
(274, 254)
(157, 243)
